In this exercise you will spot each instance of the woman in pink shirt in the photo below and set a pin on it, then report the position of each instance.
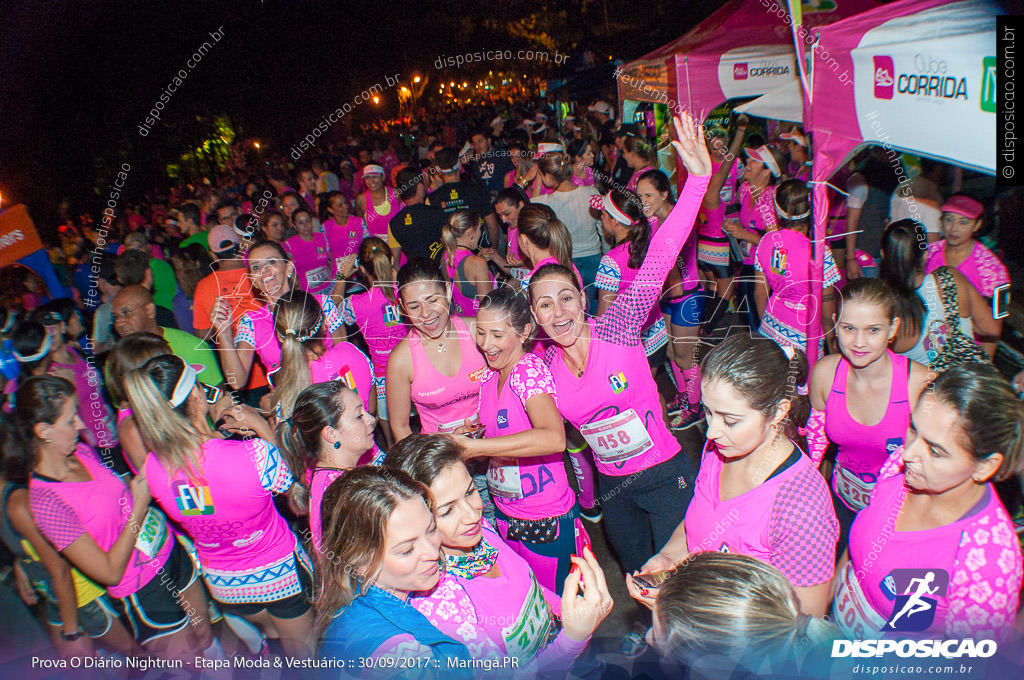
(379, 203)
(757, 494)
(310, 254)
(220, 492)
(305, 358)
(543, 239)
(783, 280)
(605, 388)
(273, 275)
(437, 367)
(328, 433)
(465, 271)
(934, 553)
(501, 607)
(581, 151)
(104, 527)
(523, 441)
(507, 205)
(639, 156)
(961, 220)
(343, 230)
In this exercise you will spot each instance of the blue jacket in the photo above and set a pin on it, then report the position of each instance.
(372, 619)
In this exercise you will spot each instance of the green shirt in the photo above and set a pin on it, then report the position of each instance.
(200, 237)
(195, 351)
(165, 283)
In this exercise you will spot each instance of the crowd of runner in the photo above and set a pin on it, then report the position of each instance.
(374, 406)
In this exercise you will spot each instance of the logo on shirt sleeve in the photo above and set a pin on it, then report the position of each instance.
(193, 499)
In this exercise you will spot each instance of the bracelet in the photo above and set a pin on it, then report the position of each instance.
(71, 637)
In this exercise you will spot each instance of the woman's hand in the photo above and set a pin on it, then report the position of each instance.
(244, 420)
(140, 491)
(690, 145)
(220, 315)
(347, 265)
(852, 269)
(659, 562)
(641, 594)
(581, 615)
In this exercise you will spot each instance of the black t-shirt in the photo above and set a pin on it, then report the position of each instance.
(621, 173)
(490, 170)
(416, 229)
(461, 196)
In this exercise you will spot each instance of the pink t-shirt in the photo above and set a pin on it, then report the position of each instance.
(476, 611)
(379, 320)
(312, 260)
(100, 429)
(377, 221)
(614, 275)
(64, 511)
(974, 562)
(787, 520)
(759, 217)
(321, 479)
(634, 179)
(464, 305)
(256, 329)
(344, 239)
(228, 506)
(982, 268)
(444, 402)
(345, 362)
(615, 405)
(524, 488)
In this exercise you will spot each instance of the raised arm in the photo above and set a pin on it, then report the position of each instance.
(625, 318)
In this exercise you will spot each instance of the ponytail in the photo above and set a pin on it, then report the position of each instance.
(166, 430)
(460, 222)
(556, 163)
(299, 322)
(904, 244)
(538, 224)
(375, 258)
(629, 204)
(640, 147)
(40, 399)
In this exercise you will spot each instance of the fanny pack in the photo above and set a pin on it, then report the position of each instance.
(533, 530)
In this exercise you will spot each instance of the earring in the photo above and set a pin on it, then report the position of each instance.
(337, 445)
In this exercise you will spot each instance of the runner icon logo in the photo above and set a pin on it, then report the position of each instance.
(884, 70)
(739, 71)
(914, 593)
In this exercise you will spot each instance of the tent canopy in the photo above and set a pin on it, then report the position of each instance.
(744, 49)
(783, 103)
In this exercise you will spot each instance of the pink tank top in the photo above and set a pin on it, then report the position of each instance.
(100, 507)
(312, 260)
(863, 448)
(974, 562)
(99, 431)
(256, 329)
(343, 239)
(524, 488)
(320, 480)
(634, 179)
(346, 363)
(444, 402)
(228, 508)
(380, 322)
(787, 520)
(377, 222)
(548, 260)
(983, 269)
(464, 305)
(758, 218)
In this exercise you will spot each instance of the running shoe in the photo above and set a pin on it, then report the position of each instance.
(685, 419)
(593, 514)
(678, 405)
(634, 644)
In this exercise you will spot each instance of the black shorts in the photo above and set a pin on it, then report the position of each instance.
(94, 618)
(288, 608)
(153, 611)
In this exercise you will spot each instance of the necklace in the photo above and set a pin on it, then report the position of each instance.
(444, 336)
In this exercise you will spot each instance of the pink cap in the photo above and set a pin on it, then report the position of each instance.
(964, 205)
(763, 154)
(223, 237)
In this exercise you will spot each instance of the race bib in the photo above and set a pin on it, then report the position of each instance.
(503, 478)
(519, 273)
(152, 534)
(448, 428)
(315, 277)
(618, 438)
(529, 633)
(852, 611)
(853, 490)
(725, 194)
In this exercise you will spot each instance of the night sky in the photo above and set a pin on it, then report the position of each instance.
(77, 78)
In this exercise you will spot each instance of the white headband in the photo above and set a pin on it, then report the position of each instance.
(43, 351)
(186, 382)
(608, 205)
(373, 169)
(764, 155)
(782, 213)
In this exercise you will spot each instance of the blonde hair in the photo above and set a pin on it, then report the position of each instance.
(298, 322)
(460, 222)
(538, 224)
(130, 352)
(166, 430)
(556, 163)
(728, 604)
(375, 259)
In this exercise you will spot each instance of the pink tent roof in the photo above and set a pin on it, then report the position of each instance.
(744, 49)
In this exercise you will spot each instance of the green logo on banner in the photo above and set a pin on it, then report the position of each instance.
(988, 84)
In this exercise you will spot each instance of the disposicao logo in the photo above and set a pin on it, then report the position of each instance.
(884, 72)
